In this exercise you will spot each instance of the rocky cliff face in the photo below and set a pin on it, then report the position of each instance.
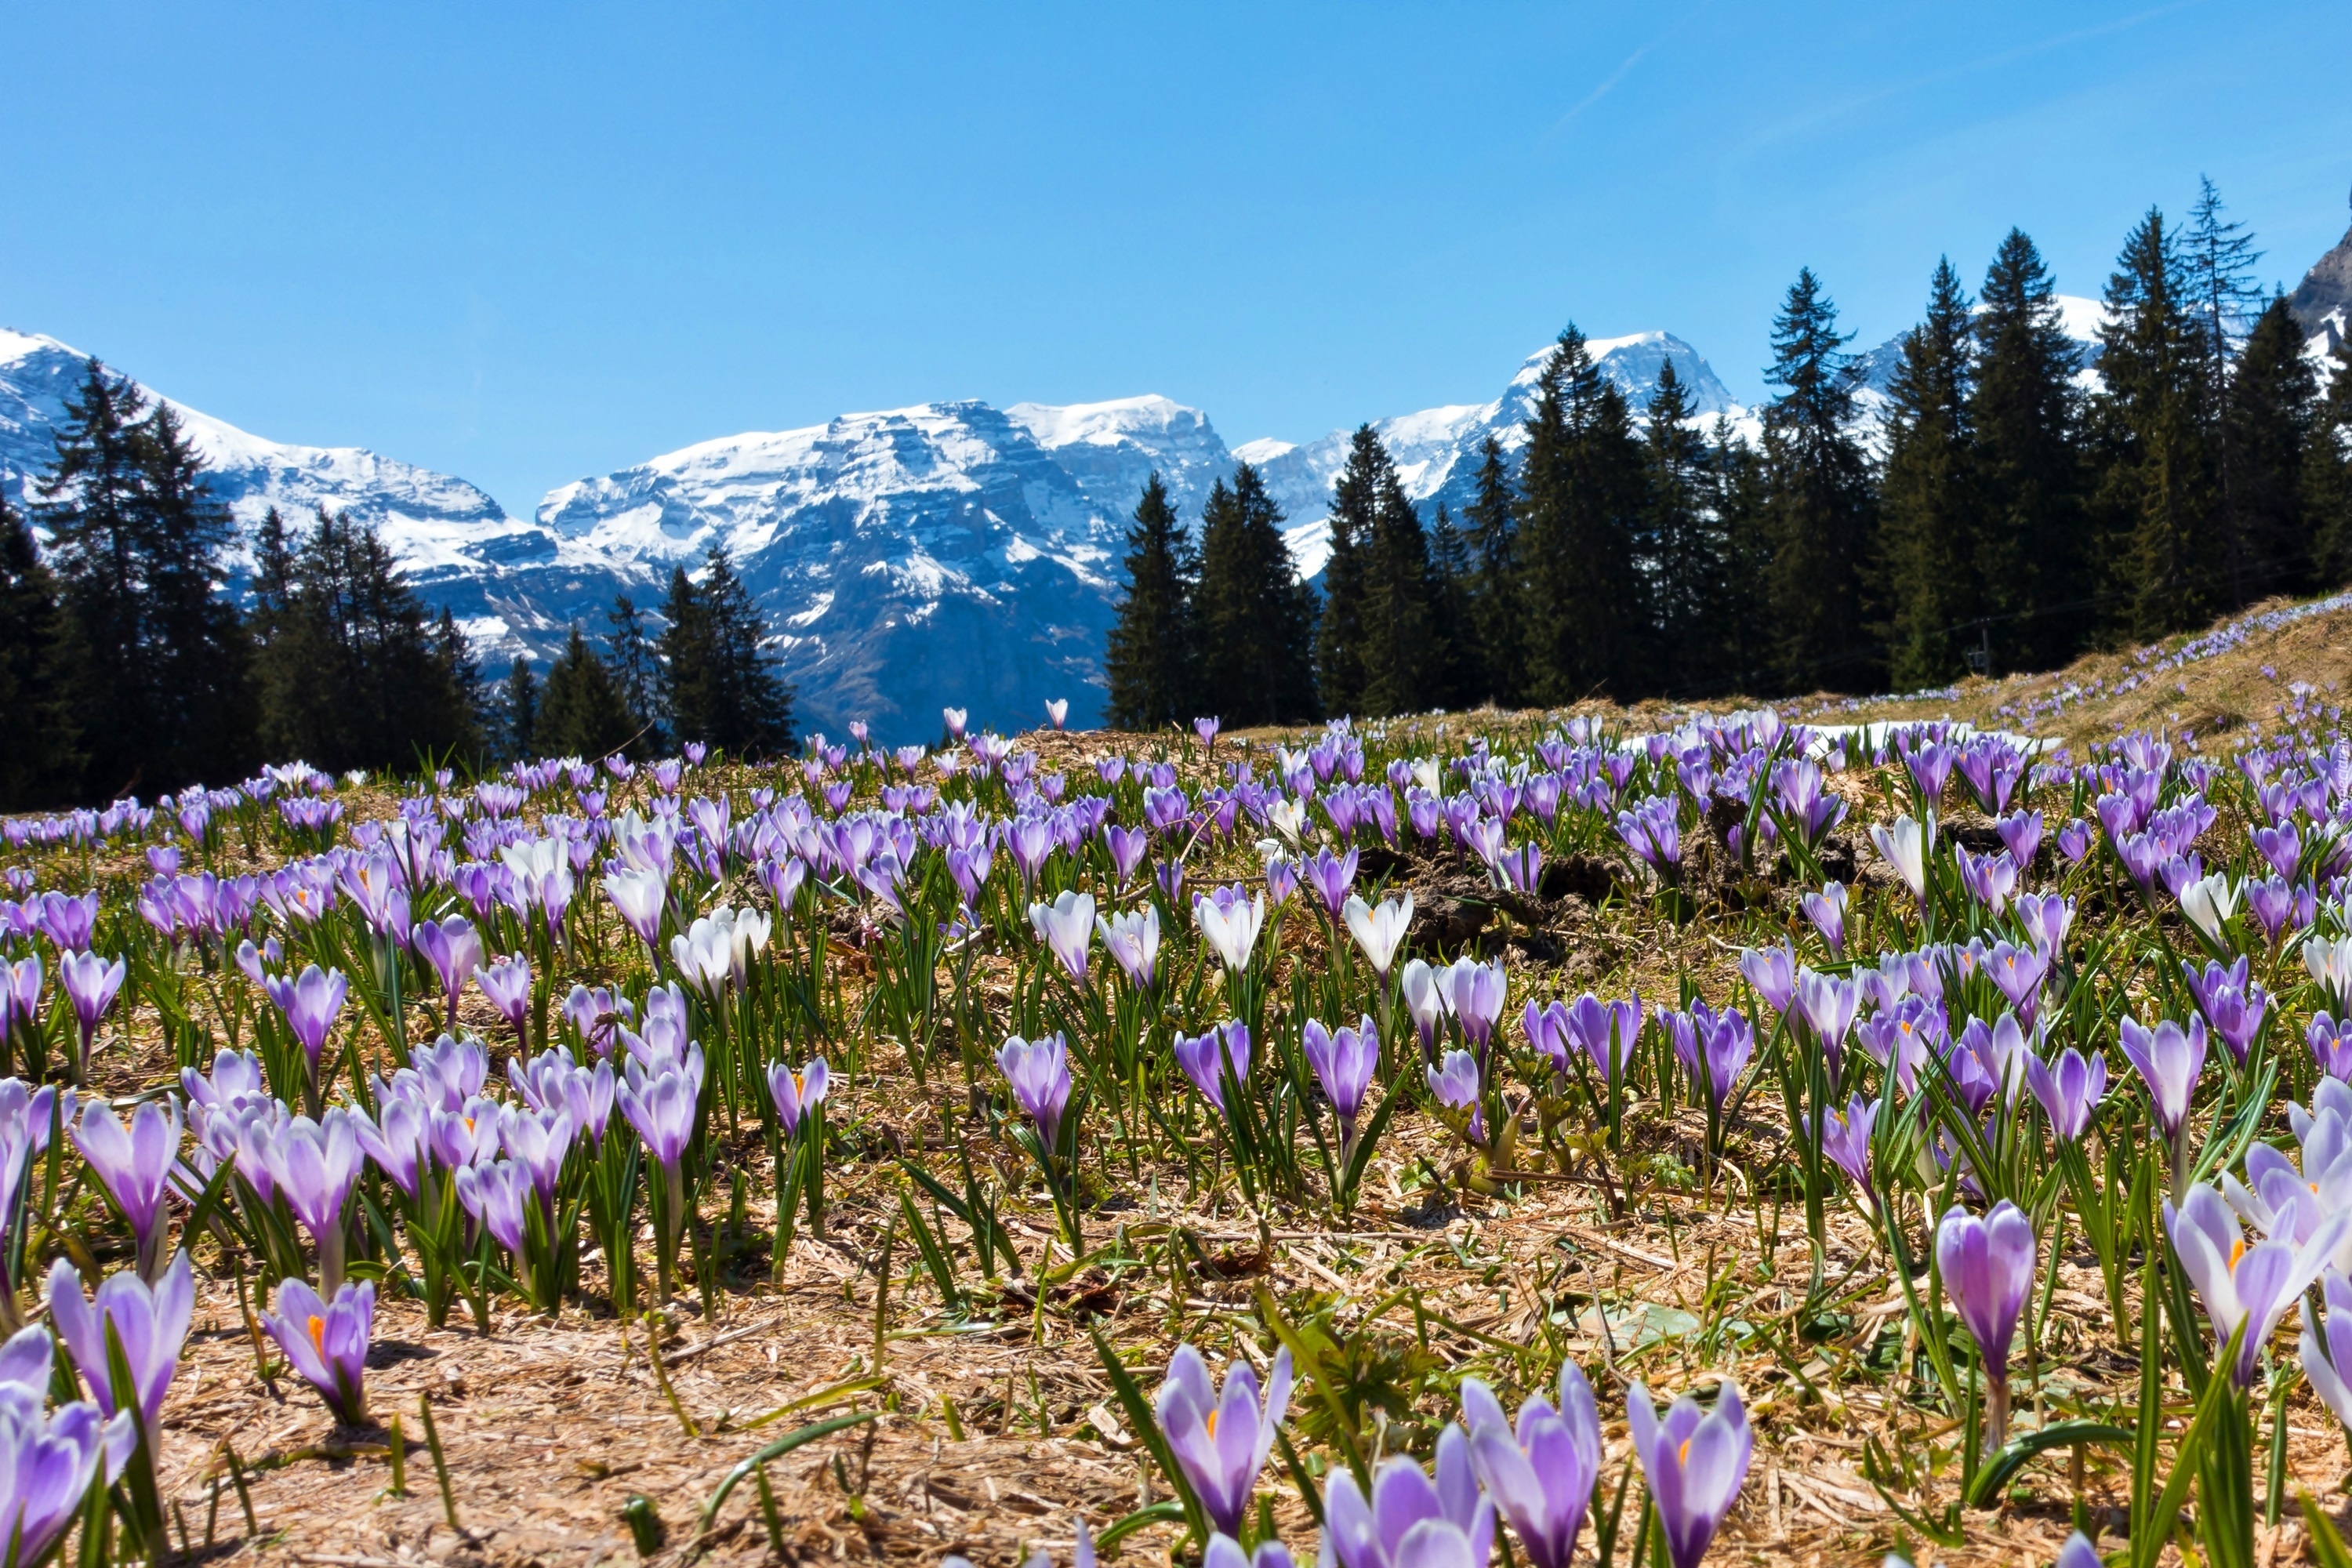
(2322, 302)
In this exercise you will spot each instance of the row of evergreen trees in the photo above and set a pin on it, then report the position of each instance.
(2006, 520)
(703, 677)
(128, 664)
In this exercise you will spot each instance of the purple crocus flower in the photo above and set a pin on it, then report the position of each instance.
(1127, 846)
(90, 983)
(1846, 1139)
(2331, 1045)
(1344, 1061)
(1474, 994)
(313, 1166)
(2328, 1348)
(327, 1342)
(1540, 1477)
(2069, 1090)
(1772, 971)
(2256, 1285)
(1549, 1033)
(1606, 1030)
(455, 951)
(1454, 1085)
(1988, 1268)
(2232, 1002)
(2168, 1061)
(1726, 1041)
(796, 1094)
(311, 1004)
(1826, 910)
(150, 1322)
(134, 1164)
(1828, 1002)
(1221, 1439)
(1039, 1074)
(1696, 1462)
(661, 1107)
(1333, 877)
(1207, 729)
(1205, 1058)
(494, 1195)
(53, 1457)
(506, 984)
(1410, 1522)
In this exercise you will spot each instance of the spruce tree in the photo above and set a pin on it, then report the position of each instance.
(1150, 659)
(581, 712)
(1932, 567)
(1740, 495)
(1497, 581)
(350, 669)
(136, 544)
(636, 671)
(2218, 294)
(2029, 489)
(2156, 492)
(1820, 513)
(2271, 420)
(1403, 649)
(1462, 680)
(723, 688)
(521, 706)
(1339, 669)
(1256, 620)
(40, 764)
(465, 674)
(1685, 540)
(1580, 510)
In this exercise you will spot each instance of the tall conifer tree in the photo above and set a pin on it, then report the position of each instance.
(2157, 491)
(1581, 492)
(40, 757)
(581, 712)
(1740, 495)
(1933, 567)
(723, 688)
(521, 706)
(1686, 541)
(1150, 659)
(2271, 424)
(1340, 637)
(349, 668)
(1257, 619)
(1404, 653)
(1462, 681)
(2026, 416)
(1497, 581)
(636, 673)
(137, 545)
(1821, 516)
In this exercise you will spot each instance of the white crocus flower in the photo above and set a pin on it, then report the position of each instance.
(1378, 931)
(1232, 928)
(2211, 902)
(1907, 845)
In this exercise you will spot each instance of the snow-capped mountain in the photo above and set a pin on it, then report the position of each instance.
(460, 546)
(907, 559)
(2322, 303)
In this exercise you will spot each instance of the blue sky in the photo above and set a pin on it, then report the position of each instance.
(524, 245)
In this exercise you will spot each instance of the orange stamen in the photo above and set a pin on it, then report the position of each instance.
(1212, 1423)
(319, 1334)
